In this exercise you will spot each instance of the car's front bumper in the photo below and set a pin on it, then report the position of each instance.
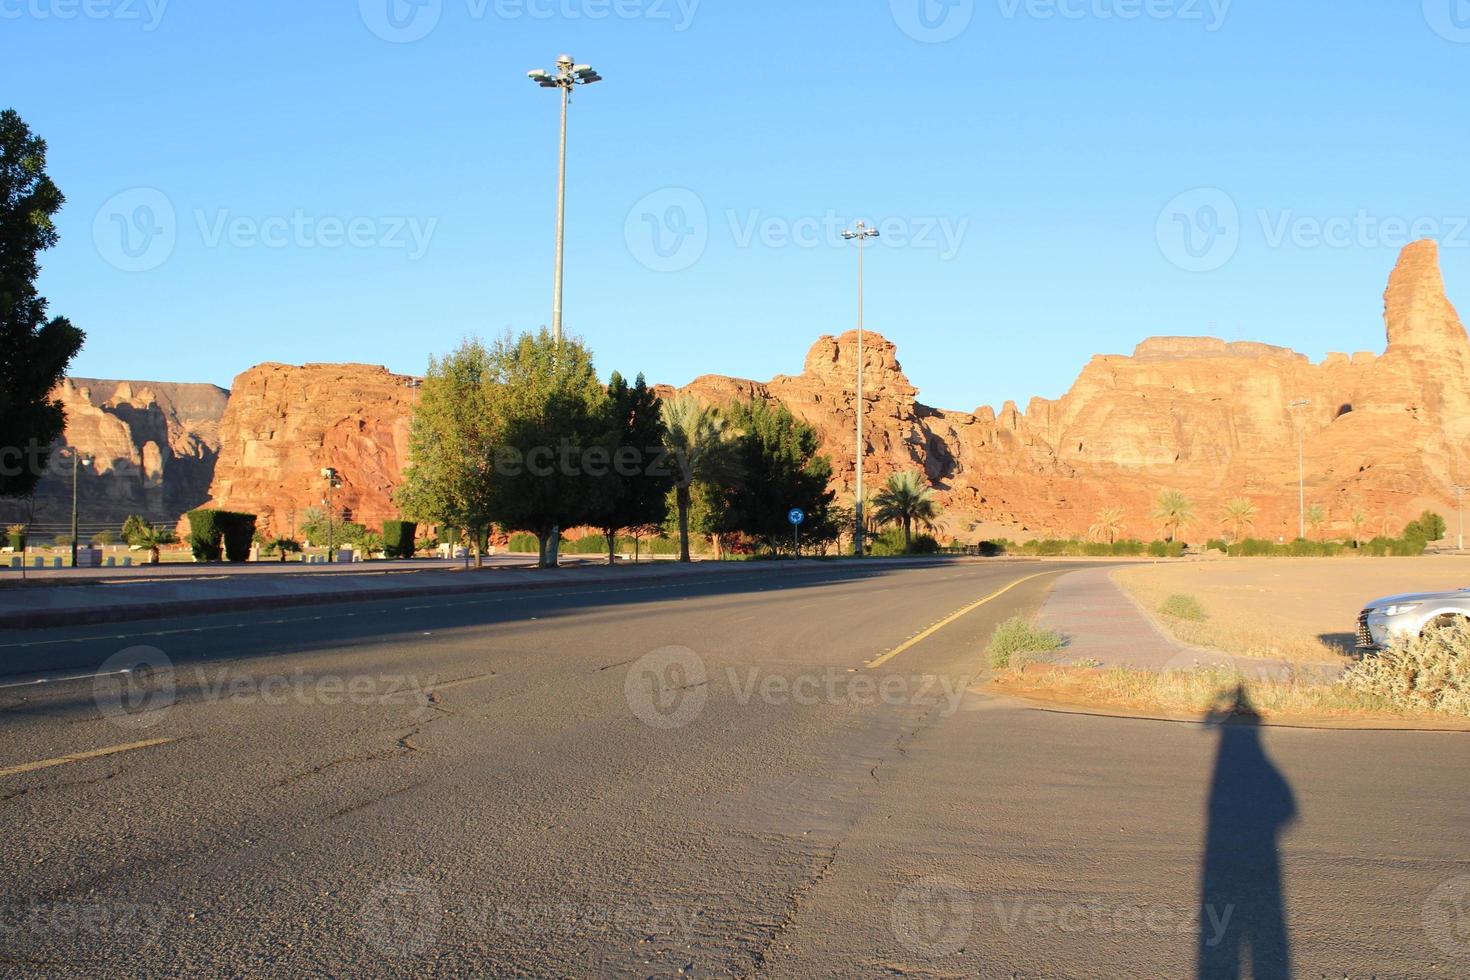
(1376, 630)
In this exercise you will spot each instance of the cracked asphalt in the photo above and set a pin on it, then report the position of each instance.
(669, 779)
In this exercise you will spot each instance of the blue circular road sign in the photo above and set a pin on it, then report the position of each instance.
(796, 515)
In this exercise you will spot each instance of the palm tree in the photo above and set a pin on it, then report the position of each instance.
(1240, 517)
(1316, 517)
(1359, 520)
(906, 498)
(1109, 524)
(694, 434)
(152, 538)
(1173, 512)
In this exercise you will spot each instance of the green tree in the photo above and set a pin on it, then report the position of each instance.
(34, 350)
(144, 535)
(1359, 520)
(548, 413)
(1316, 517)
(1108, 525)
(779, 468)
(449, 478)
(1239, 517)
(633, 489)
(1429, 527)
(906, 499)
(1174, 512)
(703, 455)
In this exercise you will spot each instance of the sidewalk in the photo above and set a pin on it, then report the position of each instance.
(1101, 622)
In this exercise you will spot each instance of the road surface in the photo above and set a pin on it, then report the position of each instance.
(687, 778)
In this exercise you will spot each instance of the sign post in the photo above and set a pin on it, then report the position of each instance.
(796, 516)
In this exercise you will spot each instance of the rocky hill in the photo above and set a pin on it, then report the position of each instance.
(1386, 433)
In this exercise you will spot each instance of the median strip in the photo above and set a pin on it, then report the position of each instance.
(914, 641)
(83, 756)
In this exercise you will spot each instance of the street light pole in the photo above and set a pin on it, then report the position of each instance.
(1460, 492)
(567, 75)
(77, 461)
(860, 234)
(1301, 468)
(330, 475)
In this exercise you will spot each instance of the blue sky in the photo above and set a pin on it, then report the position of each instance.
(316, 181)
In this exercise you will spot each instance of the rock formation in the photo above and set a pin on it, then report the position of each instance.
(153, 445)
(1382, 434)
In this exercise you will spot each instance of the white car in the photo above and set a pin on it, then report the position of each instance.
(1409, 615)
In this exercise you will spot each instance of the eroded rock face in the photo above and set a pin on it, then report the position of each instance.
(285, 423)
(154, 446)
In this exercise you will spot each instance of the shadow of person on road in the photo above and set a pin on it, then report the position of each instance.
(1242, 909)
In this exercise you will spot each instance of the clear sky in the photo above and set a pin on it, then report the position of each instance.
(371, 180)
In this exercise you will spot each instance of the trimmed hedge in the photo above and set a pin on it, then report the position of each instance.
(398, 538)
(220, 533)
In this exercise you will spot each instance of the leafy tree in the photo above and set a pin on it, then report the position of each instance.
(1239, 517)
(34, 350)
(779, 469)
(1429, 527)
(1359, 520)
(449, 476)
(1316, 517)
(1174, 511)
(104, 537)
(281, 546)
(633, 490)
(704, 456)
(548, 412)
(906, 499)
(1108, 525)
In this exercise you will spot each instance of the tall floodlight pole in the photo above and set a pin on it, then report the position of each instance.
(1301, 468)
(860, 234)
(330, 475)
(78, 460)
(1460, 492)
(567, 75)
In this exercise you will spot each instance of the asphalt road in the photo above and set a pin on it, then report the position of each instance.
(687, 779)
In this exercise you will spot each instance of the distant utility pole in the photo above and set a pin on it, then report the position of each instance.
(568, 75)
(1301, 466)
(330, 475)
(860, 234)
(1460, 491)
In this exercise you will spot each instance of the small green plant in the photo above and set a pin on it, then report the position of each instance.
(1016, 642)
(1181, 606)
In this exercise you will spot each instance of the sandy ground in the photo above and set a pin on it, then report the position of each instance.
(1295, 608)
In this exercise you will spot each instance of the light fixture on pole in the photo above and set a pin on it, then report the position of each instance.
(860, 234)
(1460, 491)
(567, 75)
(78, 460)
(1301, 468)
(330, 475)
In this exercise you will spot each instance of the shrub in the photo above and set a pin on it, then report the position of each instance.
(1016, 641)
(104, 537)
(1131, 546)
(1182, 606)
(1158, 549)
(238, 532)
(205, 534)
(1217, 544)
(888, 542)
(1429, 672)
(1429, 527)
(398, 538)
(281, 547)
(16, 533)
(62, 540)
(924, 544)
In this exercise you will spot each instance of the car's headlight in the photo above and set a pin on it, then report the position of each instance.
(1399, 609)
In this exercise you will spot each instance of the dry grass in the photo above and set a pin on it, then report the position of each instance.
(1300, 610)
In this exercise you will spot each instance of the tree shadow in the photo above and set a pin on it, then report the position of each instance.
(1242, 907)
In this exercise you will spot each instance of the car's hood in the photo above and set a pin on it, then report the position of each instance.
(1393, 600)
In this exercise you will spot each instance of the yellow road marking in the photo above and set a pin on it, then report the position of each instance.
(879, 661)
(81, 756)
